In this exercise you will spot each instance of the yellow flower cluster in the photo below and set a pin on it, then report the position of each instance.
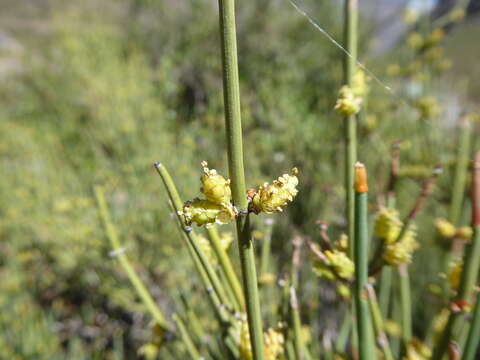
(401, 251)
(151, 349)
(272, 198)
(340, 263)
(204, 212)
(335, 265)
(216, 208)
(448, 231)
(273, 342)
(347, 103)
(214, 186)
(417, 350)
(427, 107)
(388, 225)
(360, 86)
(455, 273)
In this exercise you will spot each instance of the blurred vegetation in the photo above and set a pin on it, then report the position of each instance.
(102, 90)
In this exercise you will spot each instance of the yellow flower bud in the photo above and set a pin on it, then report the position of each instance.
(433, 54)
(323, 271)
(273, 198)
(435, 37)
(360, 84)
(393, 70)
(342, 243)
(340, 263)
(245, 347)
(344, 291)
(465, 233)
(267, 279)
(427, 107)
(273, 343)
(445, 228)
(443, 65)
(417, 350)
(455, 274)
(347, 103)
(149, 351)
(392, 328)
(214, 186)
(401, 252)
(387, 225)
(415, 41)
(204, 212)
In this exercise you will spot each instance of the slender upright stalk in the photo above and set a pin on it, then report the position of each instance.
(137, 283)
(301, 351)
(382, 339)
(297, 326)
(201, 262)
(266, 247)
(185, 335)
(366, 350)
(226, 266)
(461, 169)
(473, 340)
(385, 293)
(405, 305)
(350, 32)
(233, 122)
(459, 184)
(470, 269)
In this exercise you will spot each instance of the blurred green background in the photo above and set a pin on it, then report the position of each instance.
(95, 92)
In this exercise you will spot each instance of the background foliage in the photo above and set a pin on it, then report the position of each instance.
(98, 92)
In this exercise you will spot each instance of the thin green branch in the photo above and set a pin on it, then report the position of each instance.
(350, 125)
(382, 339)
(473, 340)
(233, 123)
(366, 350)
(471, 266)
(226, 266)
(122, 258)
(190, 236)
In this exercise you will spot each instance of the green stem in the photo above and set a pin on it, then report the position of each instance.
(201, 262)
(473, 339)
(187, 340)
(461, 169)
(366, 350)
(266, 247)
(350, 31)
(378, 325)
(297, 326)
(405, 305)
(459, 185)
(122, 258)
(233, 122)
(471, 266)
(385, 292)
(344, 332)
(226, 266)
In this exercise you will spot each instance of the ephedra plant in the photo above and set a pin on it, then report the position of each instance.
(366, 261)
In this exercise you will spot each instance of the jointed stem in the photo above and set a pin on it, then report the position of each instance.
(137, 283)
(351, 20)
(233, 122)
(365, 343)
